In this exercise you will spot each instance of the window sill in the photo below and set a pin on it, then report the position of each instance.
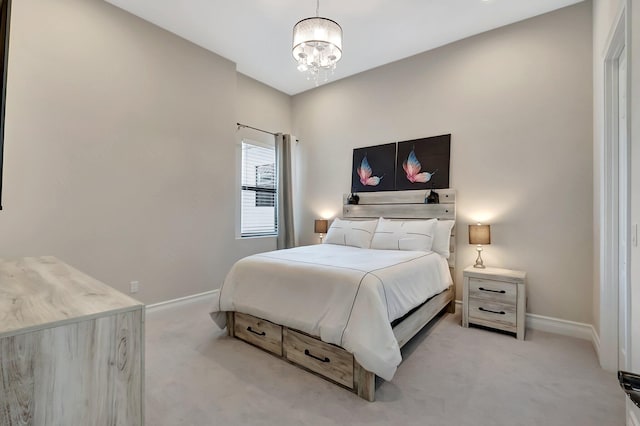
(253, 237)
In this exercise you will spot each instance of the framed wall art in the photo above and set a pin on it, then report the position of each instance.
(423, 163)
(374, 168)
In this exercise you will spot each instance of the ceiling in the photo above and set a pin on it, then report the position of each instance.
(256, 34)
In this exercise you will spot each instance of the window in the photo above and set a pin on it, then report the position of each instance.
(259, 195)
(266, 178)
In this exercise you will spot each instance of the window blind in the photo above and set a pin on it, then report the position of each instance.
(259, 196)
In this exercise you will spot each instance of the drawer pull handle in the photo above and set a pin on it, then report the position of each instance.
(493, 312)
(307, 353)
(492, 291)
(251, 330)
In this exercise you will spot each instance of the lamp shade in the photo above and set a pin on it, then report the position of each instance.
(317, 32)
(317, 43)
(480, 234)
(321, 226)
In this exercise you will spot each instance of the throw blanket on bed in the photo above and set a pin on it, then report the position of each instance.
(345, 295)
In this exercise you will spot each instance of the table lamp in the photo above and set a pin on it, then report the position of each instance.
(320, 227)
(479, 235)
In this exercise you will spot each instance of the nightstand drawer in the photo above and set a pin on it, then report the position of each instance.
(493, 291)
(493, 314)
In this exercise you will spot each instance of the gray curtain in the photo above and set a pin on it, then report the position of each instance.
(286, 236)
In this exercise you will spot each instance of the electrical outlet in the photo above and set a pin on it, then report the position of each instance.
(134, 287)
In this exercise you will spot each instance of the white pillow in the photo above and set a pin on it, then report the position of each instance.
(356, 233)
(404, 235)
(441, 241)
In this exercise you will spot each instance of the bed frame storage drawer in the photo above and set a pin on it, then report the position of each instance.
(493, 314)
(259, 332)
(493, 291)
(328, 360)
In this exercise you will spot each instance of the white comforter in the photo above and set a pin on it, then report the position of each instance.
(345, 295)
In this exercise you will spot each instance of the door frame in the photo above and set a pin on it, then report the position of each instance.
(610, 197)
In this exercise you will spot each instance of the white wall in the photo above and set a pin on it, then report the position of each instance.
(120, 148)
(261, 106)
(518, 102)
(120, 143)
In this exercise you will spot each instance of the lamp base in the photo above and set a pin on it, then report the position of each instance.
(479, 263)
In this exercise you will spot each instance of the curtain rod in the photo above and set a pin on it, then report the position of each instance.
(255, 128)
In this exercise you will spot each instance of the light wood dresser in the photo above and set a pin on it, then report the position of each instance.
(71, 348)
(495, 298)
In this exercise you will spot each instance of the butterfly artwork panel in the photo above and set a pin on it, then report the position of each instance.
(423, 163)
(374, 168)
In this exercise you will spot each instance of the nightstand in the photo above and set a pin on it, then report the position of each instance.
(495, 298)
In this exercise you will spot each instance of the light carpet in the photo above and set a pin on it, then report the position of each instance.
(196, 375)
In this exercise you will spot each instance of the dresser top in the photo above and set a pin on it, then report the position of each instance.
(44, 292)
(495, 273)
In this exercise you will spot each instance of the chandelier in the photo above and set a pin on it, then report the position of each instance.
(317, 46)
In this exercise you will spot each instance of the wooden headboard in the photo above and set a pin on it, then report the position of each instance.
(406, 205)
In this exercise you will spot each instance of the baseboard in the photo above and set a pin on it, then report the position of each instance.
(558, 326)
(535, 322)
(179, 301)
(595, 341)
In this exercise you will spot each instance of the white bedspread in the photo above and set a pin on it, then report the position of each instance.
(345, 295)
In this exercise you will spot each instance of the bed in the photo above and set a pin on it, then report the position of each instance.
(343, 312)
